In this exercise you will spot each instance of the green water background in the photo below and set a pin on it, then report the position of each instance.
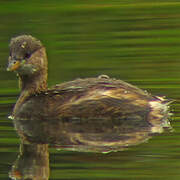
(136, 41)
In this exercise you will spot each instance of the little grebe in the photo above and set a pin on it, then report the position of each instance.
(95, 114)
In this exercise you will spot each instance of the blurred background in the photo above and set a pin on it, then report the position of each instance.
(135, 41)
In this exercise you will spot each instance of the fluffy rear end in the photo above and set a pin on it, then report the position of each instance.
(159, 114)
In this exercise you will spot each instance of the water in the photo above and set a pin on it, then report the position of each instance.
(137, 42)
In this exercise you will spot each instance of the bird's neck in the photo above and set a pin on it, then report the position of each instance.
(32, 85)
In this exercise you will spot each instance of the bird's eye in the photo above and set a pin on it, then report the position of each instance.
(27, 55)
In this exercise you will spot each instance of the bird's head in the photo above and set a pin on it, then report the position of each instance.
(26, 56)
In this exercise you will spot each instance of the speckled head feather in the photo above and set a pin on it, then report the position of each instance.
(21, 47)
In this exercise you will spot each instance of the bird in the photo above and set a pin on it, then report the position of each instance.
(98, 114)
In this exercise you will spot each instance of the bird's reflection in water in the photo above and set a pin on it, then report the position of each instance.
(32, 163)
(33, 159)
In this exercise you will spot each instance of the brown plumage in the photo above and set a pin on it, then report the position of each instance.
(93, 114)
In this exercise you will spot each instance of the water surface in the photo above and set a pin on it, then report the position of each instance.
(136, 41)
